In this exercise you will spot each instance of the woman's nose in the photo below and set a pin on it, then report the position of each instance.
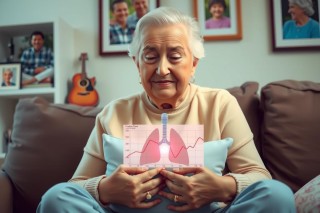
(163, 68)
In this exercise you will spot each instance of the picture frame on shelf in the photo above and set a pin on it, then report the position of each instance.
(284, 41)
(107, 45)
(229, 28)
(10, 77)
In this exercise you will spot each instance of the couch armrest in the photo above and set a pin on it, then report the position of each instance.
(5, 193)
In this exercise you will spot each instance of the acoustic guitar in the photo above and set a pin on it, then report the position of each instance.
(83, 92)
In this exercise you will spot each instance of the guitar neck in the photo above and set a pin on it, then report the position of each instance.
(83, 70)
(83, 59)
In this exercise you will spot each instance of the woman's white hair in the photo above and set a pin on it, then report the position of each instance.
(306, 5)
(164, 16)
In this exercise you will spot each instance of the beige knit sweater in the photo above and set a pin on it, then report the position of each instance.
(216, 109)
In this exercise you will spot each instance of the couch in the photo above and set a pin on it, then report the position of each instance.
(48, 139)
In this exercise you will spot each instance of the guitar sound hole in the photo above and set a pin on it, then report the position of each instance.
(84, 83)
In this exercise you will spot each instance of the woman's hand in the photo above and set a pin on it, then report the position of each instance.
(129, 186)
(203, 187)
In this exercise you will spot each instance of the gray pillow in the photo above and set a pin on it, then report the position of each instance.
(47, 145)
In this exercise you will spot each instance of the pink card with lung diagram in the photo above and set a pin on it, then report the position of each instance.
(163, 145)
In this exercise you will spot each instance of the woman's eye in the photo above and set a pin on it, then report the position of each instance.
(175, 57)
(150, 58)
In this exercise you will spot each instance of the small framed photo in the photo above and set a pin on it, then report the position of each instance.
(10, 77)
(219, 19)
(117, 22)
(295, 27)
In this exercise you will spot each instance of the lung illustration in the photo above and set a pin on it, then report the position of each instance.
(178, 151)
(151, 151)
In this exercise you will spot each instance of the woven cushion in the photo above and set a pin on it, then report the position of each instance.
(291, 131)
(307, 199)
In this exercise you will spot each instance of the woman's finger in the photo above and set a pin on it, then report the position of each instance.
(176, 198)
(174, 188)
(176, 179)
(133, 170)
(148, 175)
(152, 184)
(187, 170)
(147, 195)
(149, 204)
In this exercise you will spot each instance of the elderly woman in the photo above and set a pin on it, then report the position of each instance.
(166, 50)
(7, 75)
(301, 25)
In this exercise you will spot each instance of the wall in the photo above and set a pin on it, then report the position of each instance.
(227, 64)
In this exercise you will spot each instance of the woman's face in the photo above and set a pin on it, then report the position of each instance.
(165, 63)
(7, 75)
(217, 10)
(295, 11)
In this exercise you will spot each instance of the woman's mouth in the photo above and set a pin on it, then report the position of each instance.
(163, 83)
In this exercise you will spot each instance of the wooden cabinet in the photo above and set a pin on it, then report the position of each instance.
(63, 48)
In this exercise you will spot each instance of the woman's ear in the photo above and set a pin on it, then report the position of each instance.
(194, 65)
(195, 62)
(135, 61)
(137, 64)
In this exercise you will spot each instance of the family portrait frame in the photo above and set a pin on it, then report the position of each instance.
(106, 47)
(10, 76)
(279, 16)
(217, 31)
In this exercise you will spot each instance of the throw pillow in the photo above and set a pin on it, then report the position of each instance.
(47, 145)
(215, 156)
(249, 101)
(290, 134)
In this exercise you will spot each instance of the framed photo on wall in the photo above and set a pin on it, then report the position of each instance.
(113, 39)
(10, 77)
(287, 33)
(219, 19)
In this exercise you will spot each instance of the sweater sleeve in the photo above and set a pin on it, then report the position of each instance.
(92, 167)
(91, 185)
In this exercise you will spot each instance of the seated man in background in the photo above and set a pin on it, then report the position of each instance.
(37, 61)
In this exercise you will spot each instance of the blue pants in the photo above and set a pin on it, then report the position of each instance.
(264, 196)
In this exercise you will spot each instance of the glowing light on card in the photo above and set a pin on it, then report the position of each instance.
(164, 149)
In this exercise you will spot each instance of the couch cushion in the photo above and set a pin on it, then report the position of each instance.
(249, 102)
(47, 145)
(291, 131)
(5, 193)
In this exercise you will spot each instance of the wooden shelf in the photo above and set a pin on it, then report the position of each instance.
(64, 56)
(22, 93)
